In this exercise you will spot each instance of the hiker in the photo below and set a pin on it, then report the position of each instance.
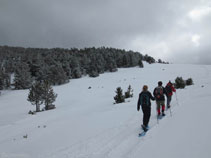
(169, 89)
(144, 101)
(158, 93)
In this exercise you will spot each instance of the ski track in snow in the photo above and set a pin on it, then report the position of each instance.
(102, 144)
(118, 142)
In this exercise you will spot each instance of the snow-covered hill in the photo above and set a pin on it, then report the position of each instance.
(86, 123)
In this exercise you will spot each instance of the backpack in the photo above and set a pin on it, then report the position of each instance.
(145, 100)
(159, 92)
(168, 89)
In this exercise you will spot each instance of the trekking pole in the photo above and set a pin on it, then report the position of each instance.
(157, 115)
(157, 120)
(170, 112)
(176, 98)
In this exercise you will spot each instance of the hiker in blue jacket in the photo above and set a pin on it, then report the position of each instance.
(145, 103)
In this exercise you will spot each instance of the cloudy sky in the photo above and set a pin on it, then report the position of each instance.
(177, 31)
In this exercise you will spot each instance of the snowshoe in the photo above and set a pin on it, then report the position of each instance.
(144, 128)
(159, 116)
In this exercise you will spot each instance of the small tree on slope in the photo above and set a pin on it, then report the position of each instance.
(119, 98)
(140, 63)
(129, 93)
(189, 82)
(179, 83)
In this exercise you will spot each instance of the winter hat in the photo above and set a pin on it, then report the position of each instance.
(145, 88)
(160, 83)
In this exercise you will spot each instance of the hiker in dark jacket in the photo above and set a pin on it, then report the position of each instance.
(145, 103)
(158, 93)
(169, 89)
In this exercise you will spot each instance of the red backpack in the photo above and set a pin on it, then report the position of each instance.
(158, 92)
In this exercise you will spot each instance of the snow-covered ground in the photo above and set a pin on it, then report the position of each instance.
(86, 123)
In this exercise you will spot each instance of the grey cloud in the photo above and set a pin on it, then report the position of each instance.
(76, 20)
(85, 23)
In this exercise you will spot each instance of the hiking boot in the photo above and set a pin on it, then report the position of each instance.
(163, 114)
(144, 128)
(168, 106)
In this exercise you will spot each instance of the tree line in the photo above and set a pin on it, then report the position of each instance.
(23, 66)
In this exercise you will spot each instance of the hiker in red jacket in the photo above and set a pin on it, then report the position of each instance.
(169, 89)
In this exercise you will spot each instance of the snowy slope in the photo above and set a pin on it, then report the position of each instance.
(86, 123)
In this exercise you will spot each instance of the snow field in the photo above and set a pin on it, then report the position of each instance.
(86, 123)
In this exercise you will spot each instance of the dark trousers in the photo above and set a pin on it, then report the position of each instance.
(146, 114)
(168, 100)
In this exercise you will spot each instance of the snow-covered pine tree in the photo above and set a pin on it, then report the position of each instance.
(1, 79)
(126, 60)
(76, 72)
(48, 96)
(119, 98)
(160, 61)
(189, 82)
(9, 65)
(149, 59)
(23, 79)
(35, 95)
(67, 69)
(42, 73)
(100, 63)
(140, 63)
(129, 93)
(132, 59)
(7, 80)
(57, 75)
(92, 71)
(1, 83)
(111, 65)
(75, 67)
(4, 79)
(179, 82)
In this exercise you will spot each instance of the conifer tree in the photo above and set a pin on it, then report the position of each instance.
(140, 63)
(132, 59)
(57, 75)
(48, 95)
(7, 80)
(75, 67)
(111, 65)
(119, 98)
(189, 82)
(76, 72)
(35, 95)
(179, 82)
(129, 93)
(4, 79)
(125, 61)
(160, 61)
(1, 80)
(1, 83)
(92, 71)
(23, 79)
(67, 69)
